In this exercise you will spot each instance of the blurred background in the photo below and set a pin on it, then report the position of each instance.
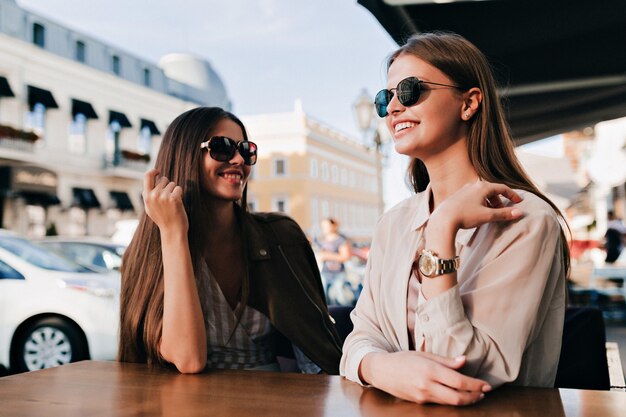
(88, 88)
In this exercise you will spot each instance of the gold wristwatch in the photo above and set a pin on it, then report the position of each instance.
(430, 265)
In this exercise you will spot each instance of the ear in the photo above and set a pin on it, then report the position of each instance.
(471, 103)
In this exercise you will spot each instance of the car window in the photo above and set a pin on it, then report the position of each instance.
(39, 256)
(6, 272)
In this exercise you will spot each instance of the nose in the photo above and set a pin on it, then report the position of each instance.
(394, 105)
(237, 159)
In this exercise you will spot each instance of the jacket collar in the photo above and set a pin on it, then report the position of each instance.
(422, 214)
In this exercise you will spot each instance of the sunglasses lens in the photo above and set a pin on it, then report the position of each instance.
(408, 91)
(381, 101)
(248, 152)
(222, 148)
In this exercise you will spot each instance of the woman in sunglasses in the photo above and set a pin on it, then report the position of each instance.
(204, 282)
(465, 284)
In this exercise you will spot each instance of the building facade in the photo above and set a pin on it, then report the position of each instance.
(81, 121)
(311, 171)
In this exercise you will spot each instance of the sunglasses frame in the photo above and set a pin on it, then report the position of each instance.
(236, 146)
(416, 92)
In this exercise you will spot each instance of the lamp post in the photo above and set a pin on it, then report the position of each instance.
(364, 112)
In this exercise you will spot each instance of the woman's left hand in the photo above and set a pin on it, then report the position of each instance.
(476, 204)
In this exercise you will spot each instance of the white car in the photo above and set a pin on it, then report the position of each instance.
(53, 311)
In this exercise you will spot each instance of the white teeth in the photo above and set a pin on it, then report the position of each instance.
(233, 177)
(402, 126)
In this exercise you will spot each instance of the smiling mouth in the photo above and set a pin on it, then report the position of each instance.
(403, 126)
(234, 178)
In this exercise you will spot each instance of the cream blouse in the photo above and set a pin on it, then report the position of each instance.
(505, 314)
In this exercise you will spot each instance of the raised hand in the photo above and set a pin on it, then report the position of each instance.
(476, 204)
(163, 201)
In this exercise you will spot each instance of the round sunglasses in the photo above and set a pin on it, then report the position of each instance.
(222, 149)
(408, 91)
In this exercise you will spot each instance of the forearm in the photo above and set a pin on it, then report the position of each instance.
(183, 339)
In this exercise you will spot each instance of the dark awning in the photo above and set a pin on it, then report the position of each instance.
(85, 198)
(121, 200)
(39, 95)
(39, 199)
(29, 179)
(84, 108)
(150, 125)
(5, 88)
(115, 116)
(561, 62)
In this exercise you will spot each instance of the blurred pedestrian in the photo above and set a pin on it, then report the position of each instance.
(205, 283)
(614, 237)
(334, 251)
(477, 249)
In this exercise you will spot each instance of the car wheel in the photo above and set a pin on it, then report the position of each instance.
(46, 343)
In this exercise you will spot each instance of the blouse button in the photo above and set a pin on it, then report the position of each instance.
(424, 318)
(262, 252)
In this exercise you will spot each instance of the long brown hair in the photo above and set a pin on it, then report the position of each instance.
(141, 301)
(489, 141)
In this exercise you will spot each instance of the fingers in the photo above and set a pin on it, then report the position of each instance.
(494, 190)
(178, 192)
(454, 379)
(149, 179)
(442, 394)
(505, 214)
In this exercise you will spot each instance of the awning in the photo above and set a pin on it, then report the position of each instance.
(85, 198)
(115, 116)
(39, 199)
(84, 108)
(5, 88)
(121, 200)
(29, 179)
(39, 95)
(150, 125)
(560, 62)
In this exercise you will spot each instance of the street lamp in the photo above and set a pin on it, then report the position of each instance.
(364, 112)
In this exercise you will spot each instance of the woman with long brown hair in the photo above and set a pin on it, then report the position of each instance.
(465, 283)
(204, 282)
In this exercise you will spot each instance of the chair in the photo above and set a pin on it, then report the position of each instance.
(583, 362)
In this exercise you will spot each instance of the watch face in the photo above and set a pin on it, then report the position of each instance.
(427, 264)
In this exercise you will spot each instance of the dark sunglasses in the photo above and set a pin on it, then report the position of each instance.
(223, 149)
(408, 91)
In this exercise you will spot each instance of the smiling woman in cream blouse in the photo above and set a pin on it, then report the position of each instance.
(465, 284)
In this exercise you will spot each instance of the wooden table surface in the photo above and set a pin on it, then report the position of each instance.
(92, 388)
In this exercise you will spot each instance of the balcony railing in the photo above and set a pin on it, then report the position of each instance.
(18, 139)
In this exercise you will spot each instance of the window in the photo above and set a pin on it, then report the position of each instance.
(115, 64)
(325, 209)
(77, 143)
(36, 119)
(280, 204)
(39, 35)
(335, 173)
(80, 51)
(253, 204)
(314, 170)
(280, 167)
(146, 77)
(324, 171)
(6, 272)
(145, 140)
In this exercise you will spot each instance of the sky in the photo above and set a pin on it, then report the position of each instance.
(268, 53)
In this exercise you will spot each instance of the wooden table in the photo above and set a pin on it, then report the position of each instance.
(111, 389)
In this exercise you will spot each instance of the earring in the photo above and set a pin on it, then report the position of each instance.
(467, 115)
